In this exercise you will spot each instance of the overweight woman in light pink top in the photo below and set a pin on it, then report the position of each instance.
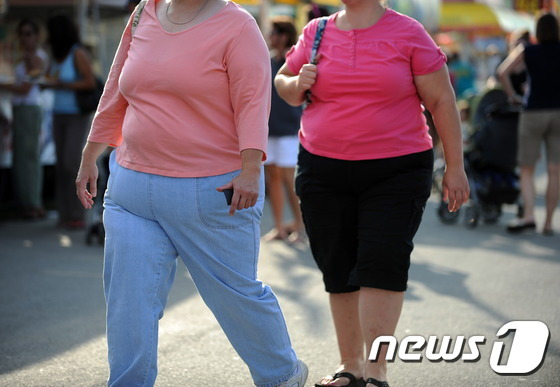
(186, 106)
(365, 166)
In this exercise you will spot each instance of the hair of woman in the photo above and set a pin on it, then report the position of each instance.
(26, 22)
(63, 35)
(547, 29)
(285, 26)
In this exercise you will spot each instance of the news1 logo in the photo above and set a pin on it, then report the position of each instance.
(527, 350)
(526, 353)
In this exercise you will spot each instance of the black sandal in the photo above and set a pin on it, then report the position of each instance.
(377, 383)
(354, 382)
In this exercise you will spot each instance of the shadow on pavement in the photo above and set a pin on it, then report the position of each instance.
(51, 293)
(493, 237)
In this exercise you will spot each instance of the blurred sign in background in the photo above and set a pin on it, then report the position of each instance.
(475, 30)
(426, 11)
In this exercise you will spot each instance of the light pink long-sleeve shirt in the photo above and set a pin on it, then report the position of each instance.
(186, 104)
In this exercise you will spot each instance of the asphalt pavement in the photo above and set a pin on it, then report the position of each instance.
(463, 283)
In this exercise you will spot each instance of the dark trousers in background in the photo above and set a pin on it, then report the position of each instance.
(27, 169)
(70, 132)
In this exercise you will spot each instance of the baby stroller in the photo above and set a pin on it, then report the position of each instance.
(490, 162)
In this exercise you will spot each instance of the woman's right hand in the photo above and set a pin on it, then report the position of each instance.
(307, 77)
(292, 87)
(87, 174)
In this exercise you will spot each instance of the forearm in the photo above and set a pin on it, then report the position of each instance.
(287, 89)
(92, 150)
(83, 84)
(508, 86)
(22, 88)
(514, 62)
(251, 161)
(448, 125)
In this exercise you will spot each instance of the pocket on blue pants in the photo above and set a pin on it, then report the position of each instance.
(212, 207)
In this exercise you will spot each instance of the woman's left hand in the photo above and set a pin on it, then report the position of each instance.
(246, 186)
(437, 94)
(245, 191)
(456, 189)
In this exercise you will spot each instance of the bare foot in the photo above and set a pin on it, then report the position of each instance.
(275, 235)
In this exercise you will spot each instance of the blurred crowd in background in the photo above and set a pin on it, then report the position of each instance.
(475, 35)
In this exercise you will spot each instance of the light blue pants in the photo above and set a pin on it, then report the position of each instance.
(150, 220)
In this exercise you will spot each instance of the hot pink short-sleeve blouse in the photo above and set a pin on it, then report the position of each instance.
(365, 104)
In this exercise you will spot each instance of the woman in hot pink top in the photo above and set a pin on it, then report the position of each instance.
(186, 106)
(365, 165)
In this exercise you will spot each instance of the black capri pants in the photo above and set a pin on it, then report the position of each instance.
(361, 216)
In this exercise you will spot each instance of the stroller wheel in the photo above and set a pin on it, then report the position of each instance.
(520, 210)
(491, 213)
(437, 180)
(89, 238)
(101, 235)
(471, 216)
(445, 215)
(95, 233)
(491, 220)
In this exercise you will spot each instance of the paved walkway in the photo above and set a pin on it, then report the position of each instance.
(463, 282)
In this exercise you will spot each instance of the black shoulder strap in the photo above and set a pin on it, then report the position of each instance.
(317, 41)
(137, 13)
(314, 51)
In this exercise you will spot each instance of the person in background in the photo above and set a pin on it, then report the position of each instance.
(463, 75)
(283, 143)
(131, 5)
(27, 121)
(518, 76)
(70, 70)
(365, 164)
(189, 125)
(314, 10)
(540, 120)
(465, 113)
(493, 58)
